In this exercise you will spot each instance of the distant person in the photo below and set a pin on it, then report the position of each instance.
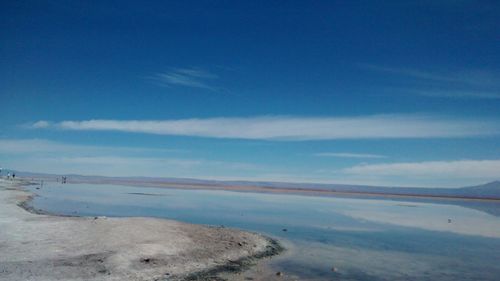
(13, 175)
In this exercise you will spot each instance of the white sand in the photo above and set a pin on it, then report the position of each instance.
(42, 247)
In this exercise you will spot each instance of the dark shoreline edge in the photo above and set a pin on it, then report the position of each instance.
(273, 248)
(26, 205)
(233, 267)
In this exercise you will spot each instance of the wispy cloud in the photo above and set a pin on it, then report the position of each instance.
(460, 84)
(47, 156)
(186, 77)
(40, 124)
(299, 128)
(348, 155)
(34, 146)
(482, 169)
(470, 77)
(466, 94)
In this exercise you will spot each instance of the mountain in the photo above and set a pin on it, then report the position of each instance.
(491, 189)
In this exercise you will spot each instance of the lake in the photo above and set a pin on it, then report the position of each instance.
(364, 239)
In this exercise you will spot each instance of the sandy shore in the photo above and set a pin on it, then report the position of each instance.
(43, 247)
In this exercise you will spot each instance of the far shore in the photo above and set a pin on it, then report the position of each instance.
(260, 189)
(43, 247)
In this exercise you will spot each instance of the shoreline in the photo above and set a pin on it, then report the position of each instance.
(215, 251)
(271, 190)
(232, 267)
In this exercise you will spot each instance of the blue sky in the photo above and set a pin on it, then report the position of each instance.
(395, 93)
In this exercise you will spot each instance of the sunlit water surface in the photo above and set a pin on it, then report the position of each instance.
(364, 239)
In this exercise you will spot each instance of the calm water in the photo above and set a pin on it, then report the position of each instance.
(364, 239)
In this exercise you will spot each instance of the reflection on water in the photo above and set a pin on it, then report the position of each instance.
(364, 239)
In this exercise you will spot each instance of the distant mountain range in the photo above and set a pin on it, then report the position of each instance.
(489, 190)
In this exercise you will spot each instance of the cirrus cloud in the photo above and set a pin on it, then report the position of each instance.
(296, 128)
(348, 155)
(186, 77)
(487, 169)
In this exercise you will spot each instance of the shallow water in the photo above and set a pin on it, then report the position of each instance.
(364, 239)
